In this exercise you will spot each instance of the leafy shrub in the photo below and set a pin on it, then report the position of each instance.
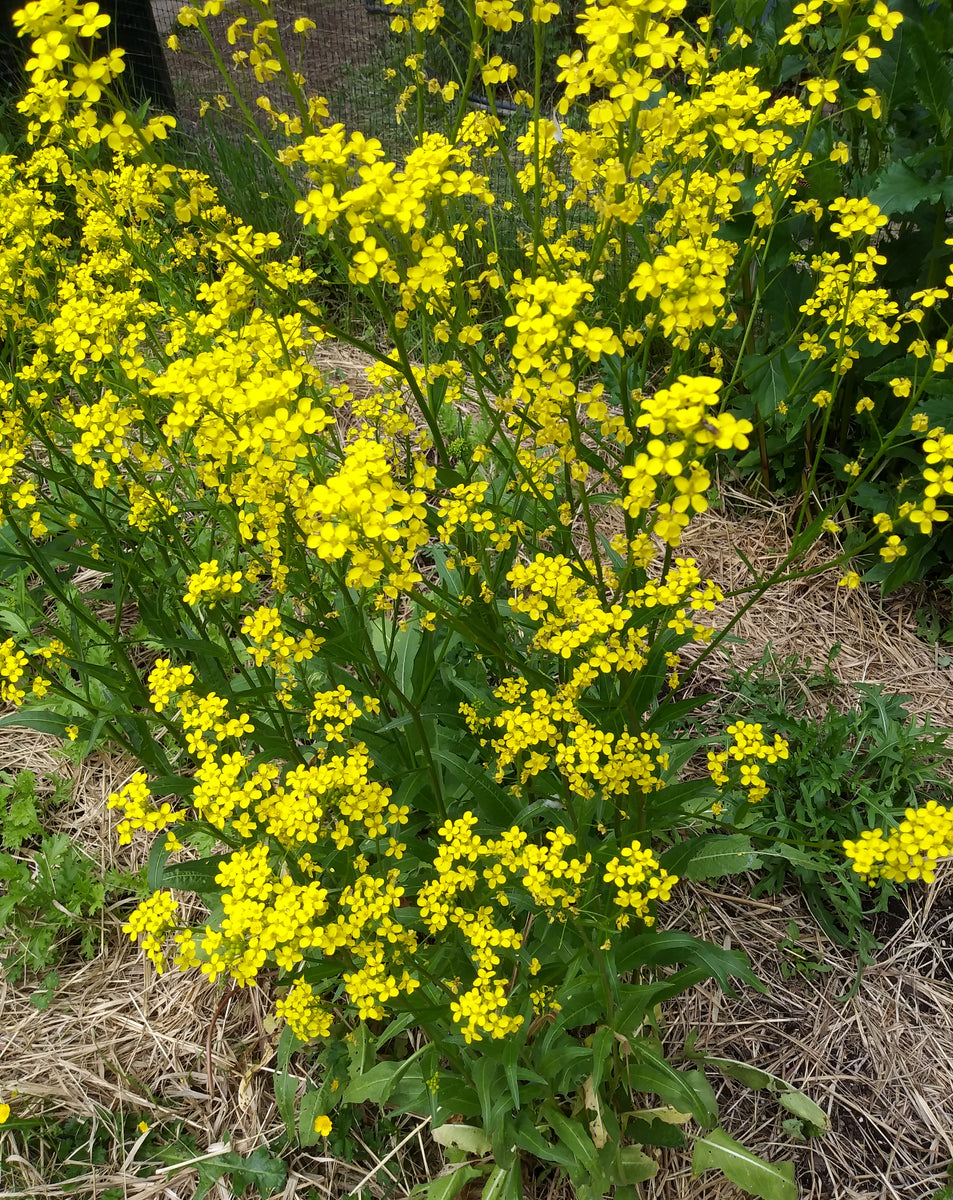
(819, 411)
(847, 772)
(400, 664)
(52, 892)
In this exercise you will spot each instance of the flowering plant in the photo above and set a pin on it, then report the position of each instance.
(402, 667)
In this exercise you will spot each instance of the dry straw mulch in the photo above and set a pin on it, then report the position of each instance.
(877, 1057)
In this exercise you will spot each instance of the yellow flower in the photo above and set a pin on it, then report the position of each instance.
(850, 580)
(322, 1125)
(4, 1113)
(143, 1126)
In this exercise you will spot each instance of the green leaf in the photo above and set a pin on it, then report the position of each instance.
(445, 1187)
(814, 1117)
(792, 1099)
(672, 945)
(493, 803)
(504, 1184)
(529, 1139)
(688, 1091)
(41, 720)
(288, 1043)
(155, 872)
(286, 1091)
(573, 1136)
(768, 378)
(266, 1173)
(899, 189)
(768, 1180)
(198, 876)
(633, 1165)
(603, 1041)
(470, 1139)
(377, 1083)
(407, 646)
(711, 857)
(312, 1106)
(931, 75)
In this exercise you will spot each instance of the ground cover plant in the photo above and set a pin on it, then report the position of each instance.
(402, 669)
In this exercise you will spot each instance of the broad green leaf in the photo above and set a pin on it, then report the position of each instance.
(266, 1173)
(312, 1106)
(468, 1138)
(711, 856)
(42, 721)
(445, 1187)
(633, 1165)
(899, 189)
(377, 1083)
(286, 1091)
(491, 802)
(573, 1136)
(770, 1181)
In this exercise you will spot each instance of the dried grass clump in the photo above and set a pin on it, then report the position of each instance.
(809, 618)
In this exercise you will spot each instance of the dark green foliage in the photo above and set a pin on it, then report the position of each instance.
(847, 771)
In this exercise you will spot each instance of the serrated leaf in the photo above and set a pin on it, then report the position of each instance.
(899, 189)
(711, 857)
(266, 1173)
(770, 1181)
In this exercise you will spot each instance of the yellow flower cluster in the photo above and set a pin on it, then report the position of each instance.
(638, 878)
(746, 751)
(13, 664)
(335, 712)
(149, 923)
(264, 629)
(135, 801)
(908, 852)
(304, 1012)
(208, 584)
